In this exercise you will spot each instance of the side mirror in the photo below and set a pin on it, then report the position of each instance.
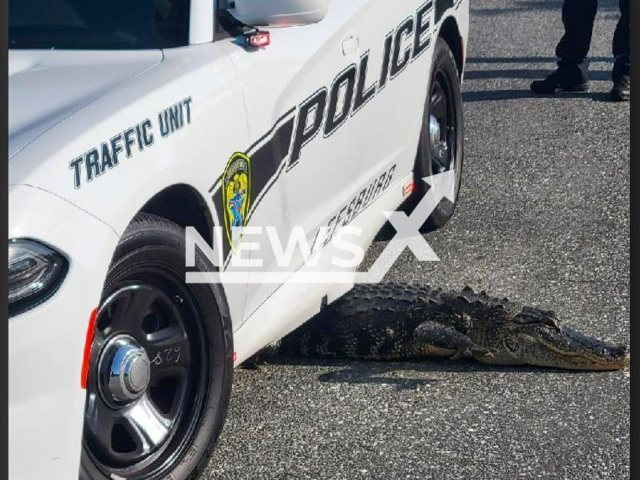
(279, 13)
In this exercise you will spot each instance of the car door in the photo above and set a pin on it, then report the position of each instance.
(396, 67)
(304, 166)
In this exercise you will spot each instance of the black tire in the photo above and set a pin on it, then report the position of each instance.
(149, 261)
(443, 71)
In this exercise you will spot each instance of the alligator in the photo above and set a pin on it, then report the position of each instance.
(404, 322)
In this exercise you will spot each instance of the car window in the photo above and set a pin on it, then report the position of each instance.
(98, 24)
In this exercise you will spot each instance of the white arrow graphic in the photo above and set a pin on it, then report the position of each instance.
(408, 229)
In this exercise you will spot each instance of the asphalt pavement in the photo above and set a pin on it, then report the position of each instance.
(543, 218)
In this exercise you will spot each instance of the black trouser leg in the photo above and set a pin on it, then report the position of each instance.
(621, 48)
(578, 17)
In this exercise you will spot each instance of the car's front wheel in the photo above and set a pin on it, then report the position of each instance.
(441, 137)
(160, 368)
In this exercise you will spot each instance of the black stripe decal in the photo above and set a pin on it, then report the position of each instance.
(268, 157)
(441, 7)
(249, 151)
(265, 162)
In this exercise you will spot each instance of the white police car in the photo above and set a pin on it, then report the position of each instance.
(129, 121)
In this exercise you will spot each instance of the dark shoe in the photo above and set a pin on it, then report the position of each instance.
(621, 91)
(561, 79)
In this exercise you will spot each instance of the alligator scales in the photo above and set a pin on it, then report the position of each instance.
(398, 322)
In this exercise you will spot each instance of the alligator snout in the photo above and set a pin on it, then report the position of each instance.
(568, 349)
(591, 351)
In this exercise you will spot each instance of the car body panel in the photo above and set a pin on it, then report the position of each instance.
(46, 342)
(48, 87)
(299, 62)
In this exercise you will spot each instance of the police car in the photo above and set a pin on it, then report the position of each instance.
(133, 124)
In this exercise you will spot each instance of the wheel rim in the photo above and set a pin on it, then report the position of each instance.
(147, 377)
(442, 124)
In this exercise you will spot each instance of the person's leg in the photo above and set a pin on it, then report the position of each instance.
(621, 73)
(621, 48)
(578, 17)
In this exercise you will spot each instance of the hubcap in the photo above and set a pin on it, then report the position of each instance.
(434, 129)
(124, 370)
(442, 125)
(439, 145)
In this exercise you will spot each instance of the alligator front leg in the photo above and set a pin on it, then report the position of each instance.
(443, 340)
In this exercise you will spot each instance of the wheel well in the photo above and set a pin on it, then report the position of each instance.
(449, 33)
(183, 205)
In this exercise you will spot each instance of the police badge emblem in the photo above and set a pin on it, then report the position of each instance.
(236, 194)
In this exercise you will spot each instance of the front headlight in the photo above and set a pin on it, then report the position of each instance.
(35, 273)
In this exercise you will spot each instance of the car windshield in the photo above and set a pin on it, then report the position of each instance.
(98, 24)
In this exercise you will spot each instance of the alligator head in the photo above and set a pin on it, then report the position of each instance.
(533, 337)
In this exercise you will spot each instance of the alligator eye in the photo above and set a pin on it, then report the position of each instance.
(551, 324)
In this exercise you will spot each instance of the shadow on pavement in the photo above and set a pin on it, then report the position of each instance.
(489, 95)
(547, 5)
(528, 59)
(528, 73)
(407, 375)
